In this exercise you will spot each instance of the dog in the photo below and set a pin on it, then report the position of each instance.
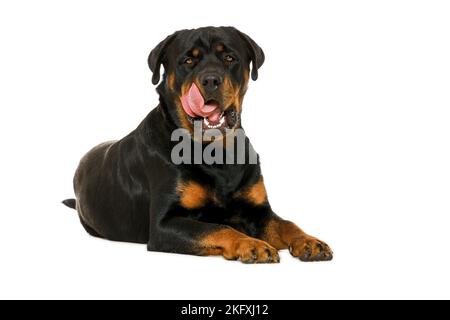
(131, 190)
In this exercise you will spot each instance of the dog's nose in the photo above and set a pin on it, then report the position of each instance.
(211, 82)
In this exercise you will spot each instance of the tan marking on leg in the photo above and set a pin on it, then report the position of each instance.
(284, 234)
(233, 245)
(280, 233)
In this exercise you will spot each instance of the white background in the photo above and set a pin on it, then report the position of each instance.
(350, 115)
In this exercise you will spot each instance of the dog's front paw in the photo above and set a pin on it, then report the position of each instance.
(250, 250)
(310, 249)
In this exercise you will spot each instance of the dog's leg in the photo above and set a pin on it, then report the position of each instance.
(279, 233)
(283, 234)
(184, 235)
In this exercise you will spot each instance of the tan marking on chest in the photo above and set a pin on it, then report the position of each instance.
(256, 194)
(192, 195)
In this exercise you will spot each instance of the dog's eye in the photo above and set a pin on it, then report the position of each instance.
(228, 58)
(188, 61)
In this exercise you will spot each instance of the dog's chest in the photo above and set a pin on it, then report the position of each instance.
(219, 190)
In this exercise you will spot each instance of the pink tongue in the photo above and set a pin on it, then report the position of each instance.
(215, 116)
(194, 105)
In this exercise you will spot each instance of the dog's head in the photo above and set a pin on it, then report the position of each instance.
(206, 74)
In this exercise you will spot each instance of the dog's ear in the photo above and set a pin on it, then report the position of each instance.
(157, 56)
(255, 52)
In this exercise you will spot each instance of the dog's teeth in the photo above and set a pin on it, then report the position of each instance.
(213, 126)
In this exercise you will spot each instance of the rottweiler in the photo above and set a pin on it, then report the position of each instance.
(132, 190)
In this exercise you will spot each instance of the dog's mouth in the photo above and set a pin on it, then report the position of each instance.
(210, 112)
(224, 120)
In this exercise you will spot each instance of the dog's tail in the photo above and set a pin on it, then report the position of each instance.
(71, 203)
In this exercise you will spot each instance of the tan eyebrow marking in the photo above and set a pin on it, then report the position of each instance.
(220, 48)
(195, 53)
